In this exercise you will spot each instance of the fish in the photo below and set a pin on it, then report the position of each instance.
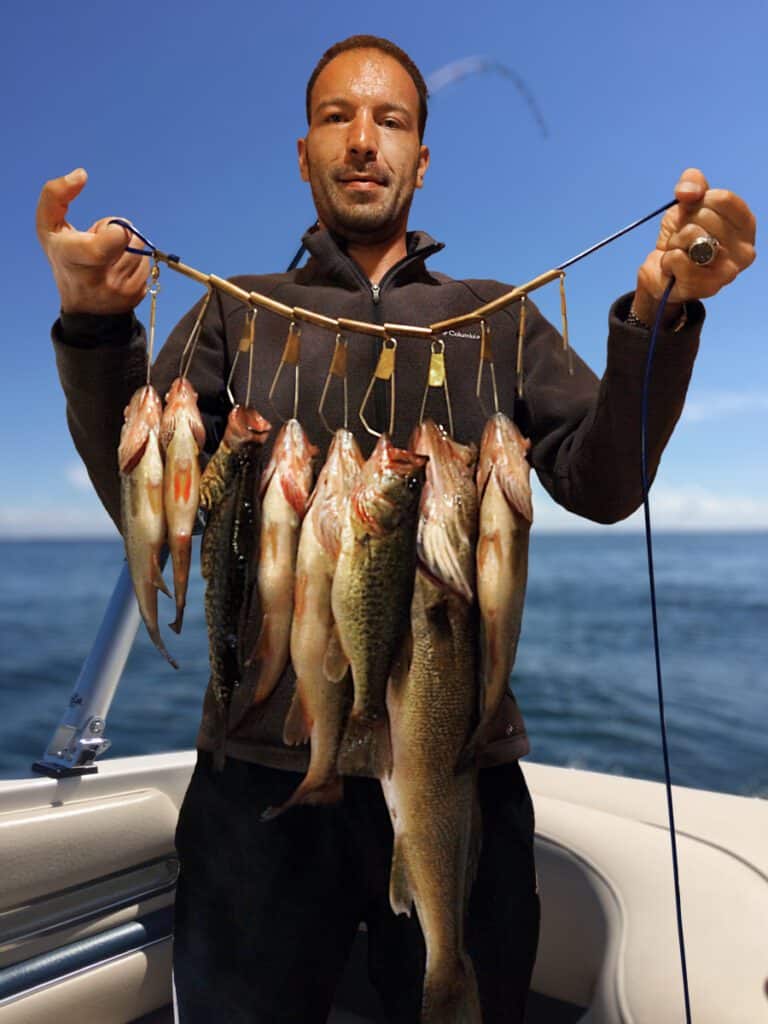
(141, 504)
(182, 436)
(506, 515)
(371, 594)
(432, 707)
(229, 494)
(285, 489)
(319, 707)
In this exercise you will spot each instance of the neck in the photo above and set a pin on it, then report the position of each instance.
(376, 259)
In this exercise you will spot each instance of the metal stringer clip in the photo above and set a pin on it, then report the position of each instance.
(245, 345)
(290, 357)
(437, 378)
(154, 288)
(564, 315)
(338, 368)
(520, 341)
(385, 370)
(185, 361)
(486, 356)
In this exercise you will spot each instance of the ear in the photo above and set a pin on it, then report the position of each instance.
(421, 170)
(301, 148)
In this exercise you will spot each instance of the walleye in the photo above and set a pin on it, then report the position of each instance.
(228, 492)
(182, 435)
(371, 594)
(506, 514)
(285, 488)
(141, 500)
(319, 704)
(432, 708)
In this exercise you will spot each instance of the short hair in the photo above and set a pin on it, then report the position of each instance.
(364, 42)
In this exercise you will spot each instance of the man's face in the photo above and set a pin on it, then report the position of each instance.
(362, 156)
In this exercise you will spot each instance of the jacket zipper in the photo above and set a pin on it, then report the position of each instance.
(379, 387)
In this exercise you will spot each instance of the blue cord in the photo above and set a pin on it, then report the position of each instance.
(659, 686)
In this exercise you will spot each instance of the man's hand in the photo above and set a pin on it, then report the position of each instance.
(700, 211)
(93, 271)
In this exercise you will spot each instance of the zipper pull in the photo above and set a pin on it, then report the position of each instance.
(375, 294)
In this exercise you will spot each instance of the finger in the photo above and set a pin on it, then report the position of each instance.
(732, 209)
(706, 223)
(691, 187)
(696, 282)
(55, 197)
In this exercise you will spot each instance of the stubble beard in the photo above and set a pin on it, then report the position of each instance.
(358, 216)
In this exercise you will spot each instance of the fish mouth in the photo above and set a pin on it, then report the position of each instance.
(248, 425)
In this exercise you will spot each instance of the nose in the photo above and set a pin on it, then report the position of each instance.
(362, 137)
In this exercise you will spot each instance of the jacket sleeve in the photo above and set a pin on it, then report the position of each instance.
(102, 360)
(585, 432)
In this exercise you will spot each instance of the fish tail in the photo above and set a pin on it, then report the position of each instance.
(400, 892)
(298, 725)
(157, 640)
(181, 552)
(451, 995)
(156, 575)
(308, 793)
(366, 748)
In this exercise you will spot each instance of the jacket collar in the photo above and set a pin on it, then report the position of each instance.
(329, 257)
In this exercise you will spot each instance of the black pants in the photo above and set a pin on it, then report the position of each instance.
(266, 913)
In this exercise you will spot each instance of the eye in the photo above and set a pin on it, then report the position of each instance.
(334, 118)
(391, 122)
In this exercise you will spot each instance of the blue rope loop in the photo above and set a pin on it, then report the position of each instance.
(152, 248)
(656, 646)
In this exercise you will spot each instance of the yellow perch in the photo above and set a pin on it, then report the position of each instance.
(320, 704)
(141, 499)
(182, 435)
(506, 514)
(285, 488)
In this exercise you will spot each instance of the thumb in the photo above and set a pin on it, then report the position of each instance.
(691, 187)
(55, 197)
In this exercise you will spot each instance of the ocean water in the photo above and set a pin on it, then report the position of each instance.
(585, 674)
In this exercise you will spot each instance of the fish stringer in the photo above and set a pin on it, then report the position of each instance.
(185, 360)
(290, 357)
(338, 368)
(245, 345)
(385, 370)
(486, 357)
(437, 378)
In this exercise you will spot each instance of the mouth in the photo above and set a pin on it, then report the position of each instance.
(361, 182)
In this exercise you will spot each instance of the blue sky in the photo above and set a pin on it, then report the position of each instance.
(186, 120)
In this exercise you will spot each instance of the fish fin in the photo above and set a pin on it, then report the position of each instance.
(517, 490)
(298, 726)
(157, 640)
(331, 792)
(400, 894)
(295, 493)
(261, 646)
(156, 576)
(335, 663)
(366, 748)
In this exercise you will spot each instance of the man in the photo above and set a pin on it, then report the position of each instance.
(266, 913)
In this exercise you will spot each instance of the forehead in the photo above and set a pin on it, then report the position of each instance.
(365, 76)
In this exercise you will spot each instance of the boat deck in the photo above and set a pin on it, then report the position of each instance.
(357, 1003)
